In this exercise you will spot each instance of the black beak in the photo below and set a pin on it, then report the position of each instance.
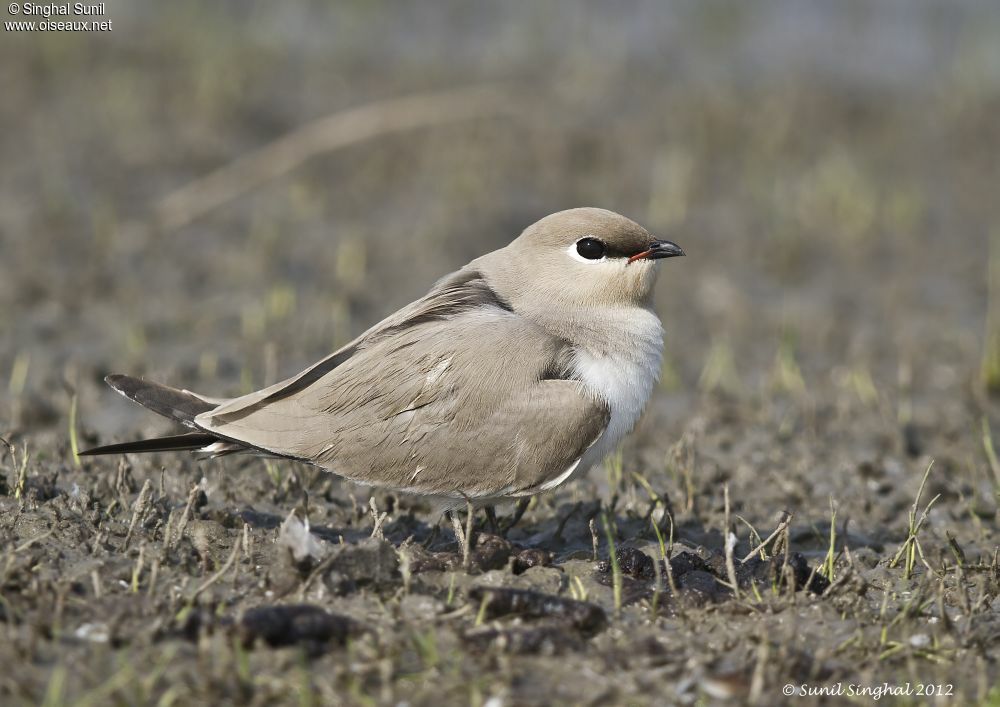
(657, 250)
(664, 249)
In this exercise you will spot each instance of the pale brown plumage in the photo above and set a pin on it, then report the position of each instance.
(472, 391)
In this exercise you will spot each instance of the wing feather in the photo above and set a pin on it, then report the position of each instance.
(462, 290)
(461, 388)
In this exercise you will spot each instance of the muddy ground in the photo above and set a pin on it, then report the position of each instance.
(832, 173)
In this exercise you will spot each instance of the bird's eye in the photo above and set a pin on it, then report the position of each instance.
(590, 248)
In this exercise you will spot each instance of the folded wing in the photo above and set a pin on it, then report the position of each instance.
(457, 396)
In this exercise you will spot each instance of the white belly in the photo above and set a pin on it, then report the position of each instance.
(623, 377)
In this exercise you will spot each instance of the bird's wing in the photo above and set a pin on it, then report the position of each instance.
(458, 292)
(470, 403)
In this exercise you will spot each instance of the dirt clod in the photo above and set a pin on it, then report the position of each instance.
(491, 553)
(633, 563)
(531, 557)
(583, 616)
(369, 563)
(700, 587)
(299, 624)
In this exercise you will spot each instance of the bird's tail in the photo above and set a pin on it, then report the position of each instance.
(180, 405)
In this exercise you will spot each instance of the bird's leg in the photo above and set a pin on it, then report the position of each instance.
(491, 519)
(522, 506)
(456, 525)
(435, 531)
(379, 519)
(464, 536)
(565, 519)
(470, 532)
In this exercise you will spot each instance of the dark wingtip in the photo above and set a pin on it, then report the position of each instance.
(128, 386)
(114, 380)
(174, 443)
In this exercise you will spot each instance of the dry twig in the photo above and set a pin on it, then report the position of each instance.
(332, 132)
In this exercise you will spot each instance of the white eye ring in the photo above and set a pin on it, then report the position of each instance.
(575, 255)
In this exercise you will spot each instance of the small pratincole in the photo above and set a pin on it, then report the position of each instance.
(511, 375)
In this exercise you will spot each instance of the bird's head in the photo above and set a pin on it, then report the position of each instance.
(583, 258)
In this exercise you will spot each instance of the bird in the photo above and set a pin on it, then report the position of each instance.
(516, 372)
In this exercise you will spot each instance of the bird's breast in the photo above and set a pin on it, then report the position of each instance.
(622, 371)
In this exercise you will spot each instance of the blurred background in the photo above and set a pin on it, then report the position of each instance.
(217, 194)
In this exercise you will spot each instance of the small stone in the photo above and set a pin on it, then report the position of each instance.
(94, 632)
(304, 548)
(531, 557)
